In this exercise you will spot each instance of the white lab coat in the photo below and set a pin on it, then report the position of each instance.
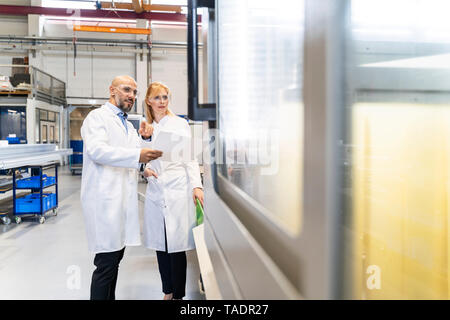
(169, 197)
(109, 181)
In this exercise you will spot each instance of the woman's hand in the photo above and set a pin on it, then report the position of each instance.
(198, 194)
(146, 130)
(149, 172)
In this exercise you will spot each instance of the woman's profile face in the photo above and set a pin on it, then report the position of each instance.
(159, 102)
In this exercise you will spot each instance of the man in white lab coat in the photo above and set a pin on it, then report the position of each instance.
(112, 155)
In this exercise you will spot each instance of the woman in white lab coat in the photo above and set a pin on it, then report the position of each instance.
(172, 189)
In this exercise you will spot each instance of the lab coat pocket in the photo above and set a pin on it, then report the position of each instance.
(109, 186)
(177, 183)
(177, 190)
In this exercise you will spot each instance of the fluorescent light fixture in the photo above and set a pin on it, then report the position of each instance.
(171, 2)
(69, 4)
(91, 19)
(171, 23)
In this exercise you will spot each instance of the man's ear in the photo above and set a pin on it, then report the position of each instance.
(111, 90)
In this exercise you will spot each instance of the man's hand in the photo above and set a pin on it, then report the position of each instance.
(149, 154)
(146, 130)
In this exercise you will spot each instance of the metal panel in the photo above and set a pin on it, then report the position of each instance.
(308, 261)
(13, 156)
(243, 270)
(13, 101)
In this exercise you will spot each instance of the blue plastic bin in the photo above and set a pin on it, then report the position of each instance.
(76, 145)
(33, 182)
(13, 140)
(31, 203)
(52, 200)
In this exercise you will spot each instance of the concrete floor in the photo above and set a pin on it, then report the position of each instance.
(52, 261)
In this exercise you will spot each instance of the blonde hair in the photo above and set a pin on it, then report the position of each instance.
(153, 89)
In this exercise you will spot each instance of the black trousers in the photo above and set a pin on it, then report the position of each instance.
(104, 277)
(172, 268)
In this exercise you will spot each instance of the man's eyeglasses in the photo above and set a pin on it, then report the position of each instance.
(159, 98)
(128, 90)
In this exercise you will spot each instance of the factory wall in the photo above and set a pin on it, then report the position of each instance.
(89, 74)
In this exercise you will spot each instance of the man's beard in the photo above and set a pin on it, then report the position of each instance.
(121, 105)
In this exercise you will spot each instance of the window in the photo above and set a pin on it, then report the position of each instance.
(47, 122)
(13, 121)
(57, 128)
(261, 104)
(44, 133)
(37, 128)
(52, 134)
(43, 114)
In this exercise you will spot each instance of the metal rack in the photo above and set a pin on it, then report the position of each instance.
(41, 212)
(75, 168)
(5, 186)
(27, 156)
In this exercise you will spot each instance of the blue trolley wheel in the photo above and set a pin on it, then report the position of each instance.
(18, 220)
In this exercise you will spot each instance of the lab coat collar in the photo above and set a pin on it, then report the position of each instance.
(162, 121)
(115, 109)
(108, 107)
(158, 126)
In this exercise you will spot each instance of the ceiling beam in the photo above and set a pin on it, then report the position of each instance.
(85, 13)
(111, 29)
(137, 6)
(146, 7)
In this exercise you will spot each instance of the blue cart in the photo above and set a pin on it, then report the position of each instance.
(39, 202)
(76, 159)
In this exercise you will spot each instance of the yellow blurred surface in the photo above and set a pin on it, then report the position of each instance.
(400, 194)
